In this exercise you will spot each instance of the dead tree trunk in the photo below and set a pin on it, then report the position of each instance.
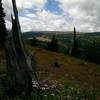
(19, 68)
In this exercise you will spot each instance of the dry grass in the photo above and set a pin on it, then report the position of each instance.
(71, 70)
(80, 79)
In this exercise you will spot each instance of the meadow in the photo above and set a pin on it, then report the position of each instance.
(61, 76)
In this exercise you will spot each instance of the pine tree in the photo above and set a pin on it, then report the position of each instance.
(53, 45)
(91, 52)
(3, 31)
(33, 41)
(75, 48)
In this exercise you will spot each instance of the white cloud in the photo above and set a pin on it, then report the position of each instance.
(84, 14)
(43, 20)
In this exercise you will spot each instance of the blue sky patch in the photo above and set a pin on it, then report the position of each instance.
(53, 6)
(27, 11)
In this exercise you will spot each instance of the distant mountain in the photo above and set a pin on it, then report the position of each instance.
(31, 34)
(93, 33)
(39, 33)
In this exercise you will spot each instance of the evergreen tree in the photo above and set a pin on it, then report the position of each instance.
(33, 41)
(75, 48)
(3, 31)
(53, 45)
(91, 52)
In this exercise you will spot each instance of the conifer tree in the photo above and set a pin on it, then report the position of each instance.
(3, 31)
(75, 47)
(53, 45)
(33, 41)
(91, 52)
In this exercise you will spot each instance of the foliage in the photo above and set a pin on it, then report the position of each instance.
(33, 41)
(57, 91)
(53, 45)
(75, 48)
(91, 52)
(3, 32)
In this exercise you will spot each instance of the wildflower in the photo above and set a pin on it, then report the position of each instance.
(43, 88)
(45, 95)
(52, 94)
(53, 86)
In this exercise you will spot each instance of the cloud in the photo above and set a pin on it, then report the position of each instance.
(43, 20)
(84, 14)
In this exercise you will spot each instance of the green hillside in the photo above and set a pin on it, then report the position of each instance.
(79, 79)
(71, 72)
(69, 68)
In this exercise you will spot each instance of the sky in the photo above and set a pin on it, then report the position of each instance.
(55, 15)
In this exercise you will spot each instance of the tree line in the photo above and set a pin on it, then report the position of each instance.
(90, 54)
(3, 30)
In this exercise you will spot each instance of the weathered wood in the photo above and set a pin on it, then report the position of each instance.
(19, 65)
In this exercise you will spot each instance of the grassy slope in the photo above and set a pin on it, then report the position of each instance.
(72, 71)
(77, 74)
